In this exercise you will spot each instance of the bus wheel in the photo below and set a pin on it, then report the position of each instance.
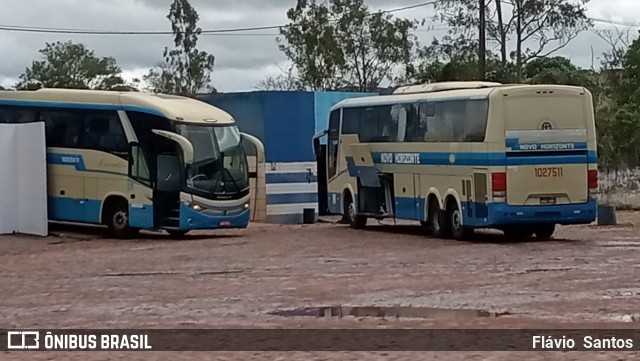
(177, 233)
(458, 230)
(118, 220)
(437, 221)
(355, 220)
(545, 231)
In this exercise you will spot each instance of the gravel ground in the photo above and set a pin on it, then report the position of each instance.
(586, 277)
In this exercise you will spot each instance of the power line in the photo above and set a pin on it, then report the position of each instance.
(52, 30)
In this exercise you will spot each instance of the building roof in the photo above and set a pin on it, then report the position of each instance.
(170, 106)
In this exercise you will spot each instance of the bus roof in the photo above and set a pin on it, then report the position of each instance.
(453, 94)
(170, 106)
(444, 86)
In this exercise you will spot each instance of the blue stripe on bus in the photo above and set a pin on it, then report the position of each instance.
(74, 210)
(84, 106)
(442, 158)
(74, 160)
(514, 144)
(488, 159)
(410, 209)
(292, 198)
(280, 178)
(500, 214)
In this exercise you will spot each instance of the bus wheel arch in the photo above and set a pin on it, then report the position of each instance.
(350, 211)
(455, 220)
(436, 217)
(115, 215)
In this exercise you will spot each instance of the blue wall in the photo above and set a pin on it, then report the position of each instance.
(325, 101)
(285, 121)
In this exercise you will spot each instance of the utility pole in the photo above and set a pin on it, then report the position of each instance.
(482, 51)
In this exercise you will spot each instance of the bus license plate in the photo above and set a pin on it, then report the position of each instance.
(225, 224)
(549, 172)
(548, 200)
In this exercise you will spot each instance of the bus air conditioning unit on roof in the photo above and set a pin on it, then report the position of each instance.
(444, 86)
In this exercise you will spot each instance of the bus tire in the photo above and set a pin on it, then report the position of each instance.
(117, 219)
(356, 221)
(177, 233)
(437, 221)
(545, 231)
(456, 226)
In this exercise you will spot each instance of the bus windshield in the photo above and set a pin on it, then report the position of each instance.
(219, 164)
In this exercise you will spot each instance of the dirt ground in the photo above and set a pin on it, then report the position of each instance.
(586, 277)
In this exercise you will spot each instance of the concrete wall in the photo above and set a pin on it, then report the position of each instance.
(620, 188)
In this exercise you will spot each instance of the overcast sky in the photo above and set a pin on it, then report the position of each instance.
(241, 61)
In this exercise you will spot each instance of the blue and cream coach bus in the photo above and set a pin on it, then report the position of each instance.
(466, 155)
(136, 161)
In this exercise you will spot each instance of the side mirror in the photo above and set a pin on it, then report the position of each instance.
(256, 143)
(185, 144)
(316, 141)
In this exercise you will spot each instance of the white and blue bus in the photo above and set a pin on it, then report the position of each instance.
(461, 156)
(135, 161)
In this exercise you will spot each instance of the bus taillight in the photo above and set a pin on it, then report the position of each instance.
(593, 179)
(499, 184)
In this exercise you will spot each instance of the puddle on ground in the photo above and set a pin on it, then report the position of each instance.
(382, 312)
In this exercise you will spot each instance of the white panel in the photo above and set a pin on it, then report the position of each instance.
(23, 182)
(280, 209)
(290, 188)
(32, 179)
(8, 180)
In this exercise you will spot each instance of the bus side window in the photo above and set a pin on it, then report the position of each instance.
(25, 116)
(416, 124)
(6, 115)
(429, 119)
(104, 132)
(64, 128)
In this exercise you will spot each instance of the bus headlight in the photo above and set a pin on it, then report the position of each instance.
(197, 207)
(247, 205)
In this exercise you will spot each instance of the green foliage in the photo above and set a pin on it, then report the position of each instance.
(546, 25)
(341, 44)
(70, 65)
(185, 70)
(559, 70)
(619, 110)
(457, 60)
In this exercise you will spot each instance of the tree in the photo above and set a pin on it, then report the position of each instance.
(341, 44)
(559, 70)
(287, 80)
(1, 87)
(457, 60)
(70, 65)
(618, 111)
(185, 69)
(540, 27)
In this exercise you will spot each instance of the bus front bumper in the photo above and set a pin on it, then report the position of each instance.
(502, 214)
(191, 219)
